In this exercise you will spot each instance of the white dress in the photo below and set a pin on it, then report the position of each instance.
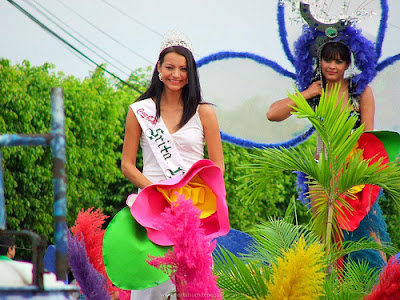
(189, 140)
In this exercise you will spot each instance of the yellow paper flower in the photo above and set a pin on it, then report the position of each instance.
(202, 196)
(298, 274)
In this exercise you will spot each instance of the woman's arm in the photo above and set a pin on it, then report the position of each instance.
(367, 109)
(280, 110)
(129, 152)
(212, 135)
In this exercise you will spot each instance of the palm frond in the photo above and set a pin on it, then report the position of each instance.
(344, 248)
(359, 275)
(238, 279)
(331, 118)
(274, 237)
(291, 213)
(336, 171)
(268, 161)
(354, 282)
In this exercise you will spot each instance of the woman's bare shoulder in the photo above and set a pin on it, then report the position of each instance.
(206, 110)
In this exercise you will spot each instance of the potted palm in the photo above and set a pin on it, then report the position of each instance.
(334, 180)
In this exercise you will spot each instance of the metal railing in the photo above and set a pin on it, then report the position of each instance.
(56, 140)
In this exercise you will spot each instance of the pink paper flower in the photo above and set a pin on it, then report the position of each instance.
(149, 205)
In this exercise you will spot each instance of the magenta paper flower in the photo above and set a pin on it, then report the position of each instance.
(203, 183)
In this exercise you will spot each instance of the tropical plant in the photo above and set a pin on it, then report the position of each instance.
(288, 261)
(339, 168)
(282, 249)
(272, 202)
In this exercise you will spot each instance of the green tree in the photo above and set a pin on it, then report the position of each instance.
(95, 111)
(27, 179)
(336, 172)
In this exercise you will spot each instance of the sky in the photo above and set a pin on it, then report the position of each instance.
(131, 30)
(136, 28)
(126, 35)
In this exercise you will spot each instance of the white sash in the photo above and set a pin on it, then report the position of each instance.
(159, 138)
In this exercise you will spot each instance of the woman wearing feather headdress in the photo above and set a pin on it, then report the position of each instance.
(333, 61)
(330, 47)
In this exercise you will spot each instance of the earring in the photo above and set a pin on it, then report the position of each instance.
(160, 77)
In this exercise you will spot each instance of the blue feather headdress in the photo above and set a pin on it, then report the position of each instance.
(363, 50)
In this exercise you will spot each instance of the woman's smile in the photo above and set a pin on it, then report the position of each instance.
(173, 71)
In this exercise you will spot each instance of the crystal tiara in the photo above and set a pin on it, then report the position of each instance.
(175, 38)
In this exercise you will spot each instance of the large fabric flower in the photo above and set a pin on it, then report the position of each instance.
(374, 145)
(202, 196)
(203, 183)
(126, 248)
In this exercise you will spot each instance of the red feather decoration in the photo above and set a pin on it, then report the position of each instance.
(388, 287)
(88, 225)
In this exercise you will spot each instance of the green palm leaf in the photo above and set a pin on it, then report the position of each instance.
(238, 279)
(344, 248)
(354, 282)
(276, 236)
(335, 173)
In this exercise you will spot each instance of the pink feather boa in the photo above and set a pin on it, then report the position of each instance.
(190, 263)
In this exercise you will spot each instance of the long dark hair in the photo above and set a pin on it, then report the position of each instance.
(6, 241)
(328, 51)
(191, 93)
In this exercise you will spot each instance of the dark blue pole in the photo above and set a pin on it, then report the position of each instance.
(58, 146)
(9, 140)
(2, 200)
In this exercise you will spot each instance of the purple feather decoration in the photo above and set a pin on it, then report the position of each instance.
(302, 188)
(365, 57)
(303, 61)
(93, 285)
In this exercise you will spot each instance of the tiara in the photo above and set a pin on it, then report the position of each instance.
(175, 38)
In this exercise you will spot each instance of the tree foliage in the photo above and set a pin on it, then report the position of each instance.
(95, 112)
(95, 109)
(280, 189)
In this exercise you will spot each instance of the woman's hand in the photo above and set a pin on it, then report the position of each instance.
(282, 109)
(313, 90)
